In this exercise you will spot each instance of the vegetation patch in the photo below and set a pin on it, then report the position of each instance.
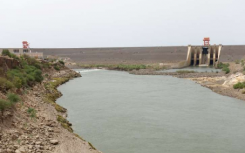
(224, 67)
(65, 123)
(57, 68)
(5, 84)
(239, 85)
(79, 136)
(12, 99)
(123, 67)
(59, 108)
(6, 52)
(91, 146)
(4, 105)
(62, 62)
(32, 112)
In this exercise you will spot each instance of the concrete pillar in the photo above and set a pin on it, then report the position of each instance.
(208, 58)
(188, 59)
(200, 55)
(219, 51)
(214, 56)
(195, 57)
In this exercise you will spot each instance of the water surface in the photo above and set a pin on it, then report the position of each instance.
(122, 113)
(196, 69)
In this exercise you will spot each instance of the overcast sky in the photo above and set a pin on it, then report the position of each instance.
(114, 23)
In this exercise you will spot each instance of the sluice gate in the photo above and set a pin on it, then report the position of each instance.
(206, 55)
(203, 55)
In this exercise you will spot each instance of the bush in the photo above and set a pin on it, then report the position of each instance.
(226, 70)
(5, 85)
(13, 98)
(56, 68)
(25, 77)
(4, 105)
(6, 52)
(17, 82)
(62, 62)
(224, 67)
(239, 85)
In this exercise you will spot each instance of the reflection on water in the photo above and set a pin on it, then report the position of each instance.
(122, 113)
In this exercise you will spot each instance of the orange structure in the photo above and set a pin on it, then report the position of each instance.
(25, 44)
(206, 41)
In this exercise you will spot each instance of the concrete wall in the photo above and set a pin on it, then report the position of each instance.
(142, 55)
(127, 55)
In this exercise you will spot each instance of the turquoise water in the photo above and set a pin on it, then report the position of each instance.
(122, 113)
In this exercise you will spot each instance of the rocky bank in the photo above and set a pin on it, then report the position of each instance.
(220, 83)
(46, 130)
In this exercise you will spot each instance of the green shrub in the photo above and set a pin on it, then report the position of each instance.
(17, 82)
(62, 62)
(32, 112)
(6, 52)
(5, 85)
(224, 67)
(226, 70)
(239, 85)
(13, 98)
(4, 105)
(26, 76)
(56, 68)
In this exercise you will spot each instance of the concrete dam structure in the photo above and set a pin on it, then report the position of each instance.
(188, 55)
(203, 55)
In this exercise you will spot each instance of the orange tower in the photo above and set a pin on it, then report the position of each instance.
(206, 41)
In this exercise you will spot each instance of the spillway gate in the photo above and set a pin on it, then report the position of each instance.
(203, 55)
